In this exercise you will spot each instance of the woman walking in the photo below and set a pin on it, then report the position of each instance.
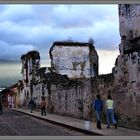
(43, 106)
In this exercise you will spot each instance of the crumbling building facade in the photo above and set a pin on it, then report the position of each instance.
(30, 65)
(127, 67)
(74, 59)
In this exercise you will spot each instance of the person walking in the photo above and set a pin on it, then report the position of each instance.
(110, 112)
(43, 106)
(98, 106)
(31, 105)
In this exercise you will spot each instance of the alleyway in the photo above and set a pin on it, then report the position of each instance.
(13, 123)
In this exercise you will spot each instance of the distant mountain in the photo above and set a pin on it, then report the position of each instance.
(8, 81)
(10, 72)
(9, 61)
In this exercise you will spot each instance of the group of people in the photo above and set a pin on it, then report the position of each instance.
(43, 104)
(98, 106)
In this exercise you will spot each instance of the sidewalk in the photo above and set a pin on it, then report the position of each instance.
(80, 125)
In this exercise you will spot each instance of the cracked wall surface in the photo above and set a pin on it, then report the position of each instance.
(77, 60)
(129, 19)
(127, 66)
(30, 65)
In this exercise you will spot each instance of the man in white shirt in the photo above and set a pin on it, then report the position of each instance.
(110, 112)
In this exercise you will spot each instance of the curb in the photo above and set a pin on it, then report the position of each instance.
(61, 124)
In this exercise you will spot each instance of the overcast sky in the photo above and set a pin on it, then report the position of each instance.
(35, 27)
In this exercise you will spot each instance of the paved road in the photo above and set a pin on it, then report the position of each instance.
(17, 124)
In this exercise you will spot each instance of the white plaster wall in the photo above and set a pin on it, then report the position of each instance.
(21, 97)
(72, 101)
(65, 56)
(22, 93)
(24, 75)
(37, 92)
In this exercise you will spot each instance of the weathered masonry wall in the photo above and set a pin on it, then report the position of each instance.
(73, 100)
(127, 88)
(129, 18)
(71, 61)
(69, 97)
(40, 90)
(77, 60)
(74, 97)
(127, 66)
(30, 66)
(103, 85)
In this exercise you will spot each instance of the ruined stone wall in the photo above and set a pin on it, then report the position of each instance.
(129, 15)
(39, 90)
(103, 85)
(73, 99)
(37, 93)
(129, 19)
(73, 61)
(127, 67)
(30, 66)
(77, 60)
(127, 88)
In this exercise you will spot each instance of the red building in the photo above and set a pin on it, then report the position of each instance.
(9, 96)
(4, 95)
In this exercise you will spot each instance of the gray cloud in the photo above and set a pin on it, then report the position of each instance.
(75, 16)
(23, 27)
(13, 52)
(9, 73)
(18, 13)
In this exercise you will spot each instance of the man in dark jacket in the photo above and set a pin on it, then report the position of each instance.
(31, 105)
(98, 106)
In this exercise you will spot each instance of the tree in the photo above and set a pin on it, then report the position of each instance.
(91, 41)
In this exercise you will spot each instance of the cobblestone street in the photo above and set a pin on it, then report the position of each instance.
(18, 124)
